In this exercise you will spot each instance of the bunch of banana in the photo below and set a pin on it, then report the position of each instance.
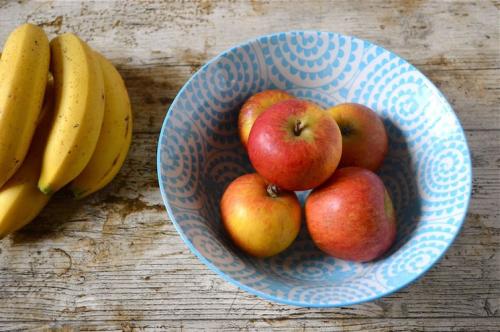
(83, 131)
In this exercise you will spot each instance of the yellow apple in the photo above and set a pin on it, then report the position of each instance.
(255, 106)
(261, 219)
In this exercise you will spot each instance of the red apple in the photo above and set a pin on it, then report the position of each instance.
(254, 107)
(351, 215)
(261, 219)
(295, 144)
(364, 139)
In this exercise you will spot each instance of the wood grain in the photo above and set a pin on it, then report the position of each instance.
(282, 325)
(114, 262)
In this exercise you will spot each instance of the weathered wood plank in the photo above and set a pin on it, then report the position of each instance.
(426, 32)
(278, 324)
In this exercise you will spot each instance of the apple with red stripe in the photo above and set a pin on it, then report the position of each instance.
(351, 216)
(295, 145)
(364, 139)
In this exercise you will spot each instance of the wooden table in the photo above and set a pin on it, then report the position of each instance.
(115, 262)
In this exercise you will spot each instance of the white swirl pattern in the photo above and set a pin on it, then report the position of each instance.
(427, 171)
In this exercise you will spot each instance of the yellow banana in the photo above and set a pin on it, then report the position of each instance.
(20, 199)
(78, 112)
(114, 139)
(24, 67)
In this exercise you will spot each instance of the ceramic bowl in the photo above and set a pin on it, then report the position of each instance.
(427, 169)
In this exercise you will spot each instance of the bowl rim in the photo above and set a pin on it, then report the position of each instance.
(257, 292)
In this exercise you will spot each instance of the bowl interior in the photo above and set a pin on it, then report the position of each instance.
(427, 170)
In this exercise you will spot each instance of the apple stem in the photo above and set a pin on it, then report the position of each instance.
(273, 190)
(346, 130)
(298, 128)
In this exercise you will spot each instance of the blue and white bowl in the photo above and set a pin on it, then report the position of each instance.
(427, 170)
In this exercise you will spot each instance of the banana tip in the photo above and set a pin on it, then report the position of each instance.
(46, 190)
(77, 193)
